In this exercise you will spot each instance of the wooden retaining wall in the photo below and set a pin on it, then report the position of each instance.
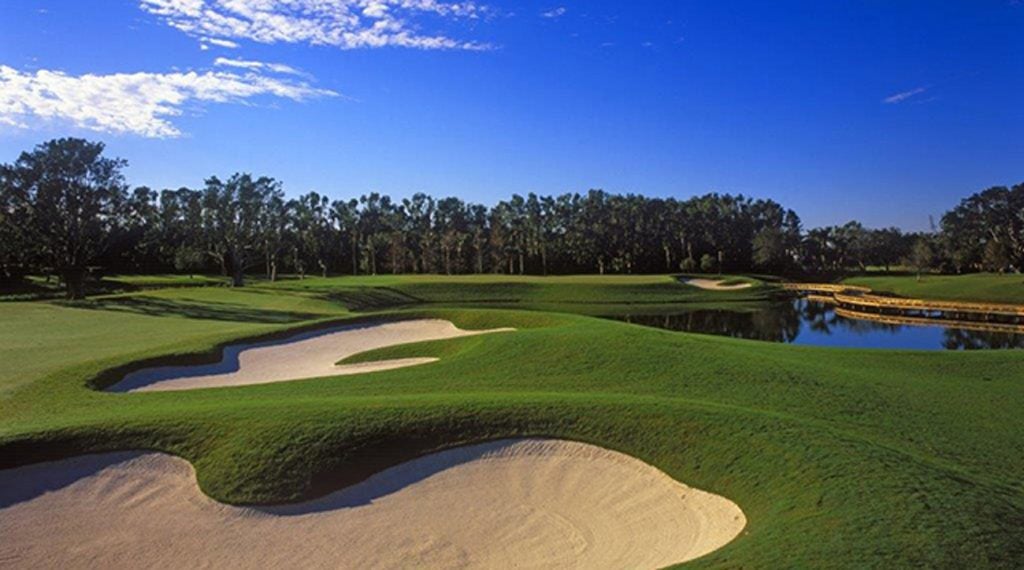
(876, 302)
(823, 288)
(977, 326)
(863, 298)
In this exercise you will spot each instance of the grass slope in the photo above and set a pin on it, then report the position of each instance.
(988, 287)
(839, 458)
(578, 294)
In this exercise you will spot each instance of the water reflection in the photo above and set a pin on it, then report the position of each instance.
(810, 322)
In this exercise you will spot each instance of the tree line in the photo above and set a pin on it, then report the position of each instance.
(66, 210)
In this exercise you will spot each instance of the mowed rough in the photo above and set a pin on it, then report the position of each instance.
(307, 355)
(526, 503)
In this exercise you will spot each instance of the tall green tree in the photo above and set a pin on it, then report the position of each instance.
(312, 229)
(15, 255)
(993, 215)
(453, 229)
(922, 255)
(68, 197)
(235, 218)
(769, 249)
(345, 219)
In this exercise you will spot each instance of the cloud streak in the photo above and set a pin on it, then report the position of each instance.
(554, 13)
(346, 24)
(257, 66)
(903, 96)
(220, 43)
(132, 103)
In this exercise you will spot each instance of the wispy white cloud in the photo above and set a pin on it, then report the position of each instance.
(221, 43)
(554, 12)
(257, 66)
(131, 103)
(904, 95)
(347, 24)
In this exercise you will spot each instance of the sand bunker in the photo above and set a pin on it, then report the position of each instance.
(716, 284)
(525, 503)
(305, 355)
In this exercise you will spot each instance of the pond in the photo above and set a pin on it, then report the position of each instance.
(808, 322)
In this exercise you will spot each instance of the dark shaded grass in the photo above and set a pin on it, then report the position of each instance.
(208, 310)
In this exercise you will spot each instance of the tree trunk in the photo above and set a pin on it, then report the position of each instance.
(355, 254)
(74, 281)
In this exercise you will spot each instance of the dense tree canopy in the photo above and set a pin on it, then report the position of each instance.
(64, 203)
(986, 230)
(65, 209)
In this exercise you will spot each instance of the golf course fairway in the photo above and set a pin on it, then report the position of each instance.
(835, 457)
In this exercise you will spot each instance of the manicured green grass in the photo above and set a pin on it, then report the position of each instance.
(839, 458)
(524, 291)
(35, 287)
(987, 287)
(169, 280)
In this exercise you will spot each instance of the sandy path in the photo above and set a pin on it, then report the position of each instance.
(527, 503)
(715, 284)
(306, 355)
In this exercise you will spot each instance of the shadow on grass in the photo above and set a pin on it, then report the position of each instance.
(211, 310)
(39, 290)
(372, 298)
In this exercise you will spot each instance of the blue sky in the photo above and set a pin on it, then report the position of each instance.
(880, 110)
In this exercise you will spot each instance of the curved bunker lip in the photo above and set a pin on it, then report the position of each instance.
(714, 284)
(309, 354)
(524, 502)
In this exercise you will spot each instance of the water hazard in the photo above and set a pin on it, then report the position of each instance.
(810, 322)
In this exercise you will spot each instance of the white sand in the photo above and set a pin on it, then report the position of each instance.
(527, 503)
(716, 284)
(306, 355)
